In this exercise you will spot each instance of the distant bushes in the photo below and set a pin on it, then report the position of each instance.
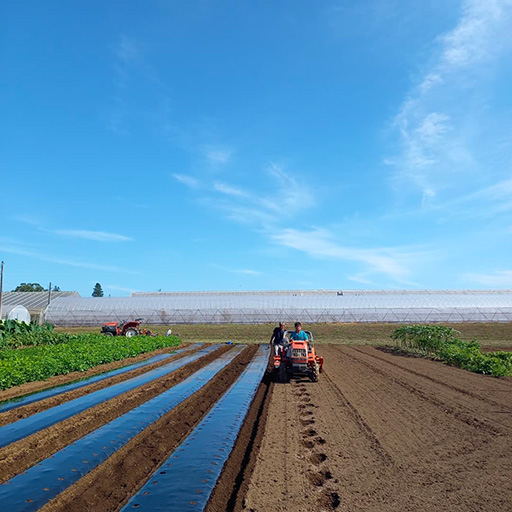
(444, 343)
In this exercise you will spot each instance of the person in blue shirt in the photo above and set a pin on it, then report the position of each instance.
(298, 334)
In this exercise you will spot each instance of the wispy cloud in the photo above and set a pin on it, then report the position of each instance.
(229, 190)
(244, 271)
(319, 243)
(127, 49)
(20, 251)
(186, 179)
(117, 288)
(31, 220)
(218, 155)
(97, 236)
(498, 279)
(274, 199)
(440, 122)
(247, 271)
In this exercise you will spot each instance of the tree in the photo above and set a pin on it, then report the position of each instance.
(29, 287)
(56, 288)
(97, 291)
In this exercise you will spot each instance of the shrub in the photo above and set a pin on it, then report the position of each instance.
(443, 343)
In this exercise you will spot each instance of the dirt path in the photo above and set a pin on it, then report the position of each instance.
(381, 432)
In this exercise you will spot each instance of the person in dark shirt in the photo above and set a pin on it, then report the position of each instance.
(278, 338)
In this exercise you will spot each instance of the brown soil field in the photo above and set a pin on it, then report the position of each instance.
(378, 432)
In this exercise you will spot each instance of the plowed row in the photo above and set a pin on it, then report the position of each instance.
(381, 432)
(378, 432)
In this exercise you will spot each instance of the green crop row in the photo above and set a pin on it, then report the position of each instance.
(443, 343)
(74, 353)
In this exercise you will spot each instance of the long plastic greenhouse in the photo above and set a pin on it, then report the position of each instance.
(265, 307)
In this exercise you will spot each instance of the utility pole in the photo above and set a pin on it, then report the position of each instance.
(1, 286)
(49, 293)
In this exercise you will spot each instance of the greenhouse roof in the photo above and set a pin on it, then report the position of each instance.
(33, 300)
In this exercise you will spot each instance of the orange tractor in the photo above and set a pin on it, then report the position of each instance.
(298, 358)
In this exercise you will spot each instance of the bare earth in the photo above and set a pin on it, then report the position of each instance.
(378, 432)
(381, 432)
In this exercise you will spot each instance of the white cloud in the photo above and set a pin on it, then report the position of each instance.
(499, 279)
(486, 202)
(272, 202)
(229, 190)
(186, 179)
(247, 272)
(441, 121)
(117, 288)
(243, 271)
(127, 49)
(218, 156)
(97, 236)
(62, 261)
(318, 243)
(31, 220)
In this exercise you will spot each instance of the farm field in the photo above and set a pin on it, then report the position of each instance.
(378, 432)
(490, 335)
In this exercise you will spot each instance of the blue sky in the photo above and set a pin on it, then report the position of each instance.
(226, 145)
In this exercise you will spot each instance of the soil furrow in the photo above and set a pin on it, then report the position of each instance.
(506, 385)
(109, 486)
(441, 396)
(23, 454)
(358, 412)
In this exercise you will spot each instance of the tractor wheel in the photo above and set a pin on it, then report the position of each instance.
(282, 373)
(130, 333)
(108, 333)
(315, 372)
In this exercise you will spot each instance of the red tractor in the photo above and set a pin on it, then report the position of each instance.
(128, 329)
(298, 358)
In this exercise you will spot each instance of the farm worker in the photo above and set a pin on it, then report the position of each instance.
(298, 334)
(278, 337)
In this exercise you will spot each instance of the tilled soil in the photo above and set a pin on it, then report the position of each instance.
(378, 432)
(381, 432)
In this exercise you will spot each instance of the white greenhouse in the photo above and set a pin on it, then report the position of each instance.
(309, 306)
(16, 312)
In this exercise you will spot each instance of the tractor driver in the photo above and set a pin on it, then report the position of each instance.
(278, 337)
(298, 334)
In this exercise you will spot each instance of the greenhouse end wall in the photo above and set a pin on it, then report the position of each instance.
(269, 307)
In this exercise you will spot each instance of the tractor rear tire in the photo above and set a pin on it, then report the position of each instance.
(315, 372)
(130, 333)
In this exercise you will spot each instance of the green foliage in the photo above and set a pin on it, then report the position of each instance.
(443, 343)
(14, 333)
(29, 287)
(72, 352)
(97, 290)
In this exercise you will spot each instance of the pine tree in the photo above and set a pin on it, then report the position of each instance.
(97, 291)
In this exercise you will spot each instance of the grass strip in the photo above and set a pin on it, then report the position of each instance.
(77, 353)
